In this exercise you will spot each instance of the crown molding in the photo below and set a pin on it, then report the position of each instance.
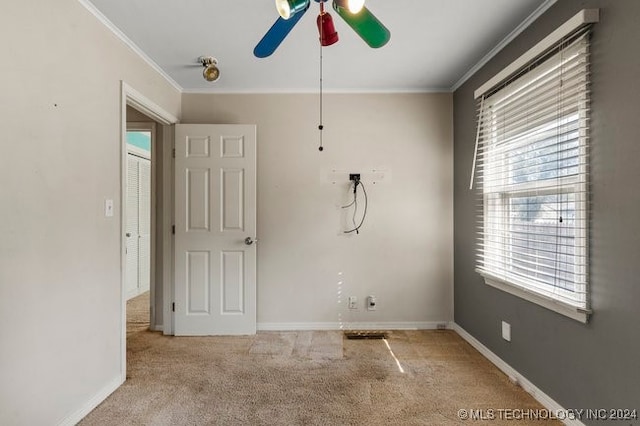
(493, 52)
(508, 39)
(213, 91)
(127, 41)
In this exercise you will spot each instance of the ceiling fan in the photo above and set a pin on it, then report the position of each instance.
(354, 13)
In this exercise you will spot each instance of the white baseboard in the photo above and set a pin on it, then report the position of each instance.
(544, 399)
(107, 390)
(304, 326)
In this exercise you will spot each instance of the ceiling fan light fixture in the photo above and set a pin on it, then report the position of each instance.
(328, 33)
(354, 6)
(211, 71)
(288, 8)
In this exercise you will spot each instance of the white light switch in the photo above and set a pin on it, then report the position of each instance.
(506, 331)
(108, 208)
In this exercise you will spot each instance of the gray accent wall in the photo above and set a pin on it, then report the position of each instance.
(594, 365)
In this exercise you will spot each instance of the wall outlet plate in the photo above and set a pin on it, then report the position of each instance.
(371, 303)
(353, 302)
(354, 176)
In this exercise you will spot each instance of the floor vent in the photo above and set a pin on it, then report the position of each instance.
(355, 335)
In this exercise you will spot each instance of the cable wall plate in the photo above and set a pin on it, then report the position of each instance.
(372, 176)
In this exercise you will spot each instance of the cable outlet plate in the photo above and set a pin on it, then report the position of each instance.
(371, 303)
(354, 176)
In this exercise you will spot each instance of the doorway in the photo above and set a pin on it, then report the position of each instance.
(137, 109)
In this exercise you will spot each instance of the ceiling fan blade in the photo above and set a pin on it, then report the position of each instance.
(276, 35)
(366, 25)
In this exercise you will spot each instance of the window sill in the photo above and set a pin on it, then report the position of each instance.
(567, 310)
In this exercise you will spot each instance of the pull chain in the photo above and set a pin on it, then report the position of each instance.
(321, 126)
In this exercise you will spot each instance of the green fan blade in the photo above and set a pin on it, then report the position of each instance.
(366, 25)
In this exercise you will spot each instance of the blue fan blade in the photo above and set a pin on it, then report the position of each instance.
(276, 35)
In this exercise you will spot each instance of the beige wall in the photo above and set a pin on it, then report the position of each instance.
(403, 254)
(59, 255)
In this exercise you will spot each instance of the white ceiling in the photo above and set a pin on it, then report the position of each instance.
(434, 43)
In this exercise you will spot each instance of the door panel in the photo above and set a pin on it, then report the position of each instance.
(215, 271)
(197, 203)
(198, 282)
(232, 282)
(232, 208)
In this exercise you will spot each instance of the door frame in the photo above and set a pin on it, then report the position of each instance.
(131, 97)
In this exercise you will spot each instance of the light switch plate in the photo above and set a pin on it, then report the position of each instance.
(506, 331)
(108, 208)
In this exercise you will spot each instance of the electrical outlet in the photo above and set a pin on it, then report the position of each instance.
(353, 302)
(371, 303)
(506, 331)
(354, 176)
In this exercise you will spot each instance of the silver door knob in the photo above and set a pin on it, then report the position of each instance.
(248, 241)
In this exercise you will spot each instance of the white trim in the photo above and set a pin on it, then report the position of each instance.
(157, 327)
(585, 16)
(79, 414)
(138, 152)
(168, 209)
(134, 126)
(505, 41)
(146, 106)
(307, 91)
(304, 326)
(126, 40)
(544, 399)
(567, 310)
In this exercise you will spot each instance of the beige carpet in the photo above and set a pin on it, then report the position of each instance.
(138, 314)
(305, 378)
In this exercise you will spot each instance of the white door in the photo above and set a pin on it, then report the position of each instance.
(215, 229)
(138, 225)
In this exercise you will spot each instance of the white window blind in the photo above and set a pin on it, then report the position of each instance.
(532, 175)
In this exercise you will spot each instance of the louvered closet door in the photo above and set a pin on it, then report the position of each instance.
(133, 215)
(138, 229)
(144, 224)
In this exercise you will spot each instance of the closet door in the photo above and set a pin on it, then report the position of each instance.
(144, 224)
(133, 217)
(138, 226)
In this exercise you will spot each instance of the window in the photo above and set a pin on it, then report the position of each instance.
(532, 159)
